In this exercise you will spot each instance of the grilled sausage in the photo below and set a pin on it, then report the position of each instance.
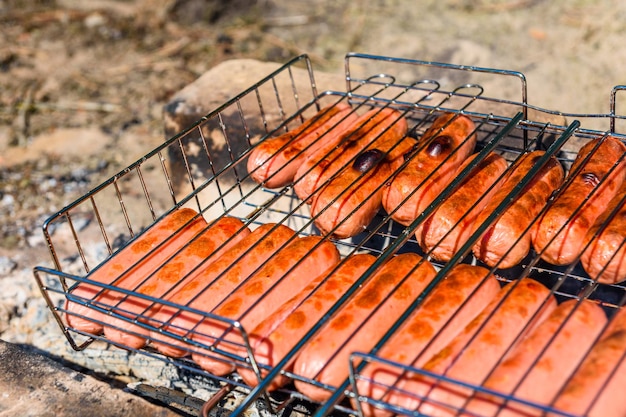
(208, 286)
(350, 201)
(597, 387)
(332, 158)
(507, 241)
(464, 292)
(444, 147)
(361, 322)
(452, 223)
(275, 336)
(275, 161)
(605, 257)
(518, 308)
(288, 272)
(141, 257)
(540, 364)
(611, 401)
(207, 246)
(561, 230)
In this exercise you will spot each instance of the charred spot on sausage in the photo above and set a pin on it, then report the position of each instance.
(590, 178)
(368, 159)
(440, 145)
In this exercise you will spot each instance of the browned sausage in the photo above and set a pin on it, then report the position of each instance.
(329, 160)
(452, 223)
(289, 271)
(507, 241)
(141, 257)
(357, 326)
(598, 385)
(350, 201)
(605, 257)
(540, 365)
(275, 336)
(218, 237)
(208, 286)
(462, 294)
(444, 147)
(469, 357)
(274, 162)
(560, 232)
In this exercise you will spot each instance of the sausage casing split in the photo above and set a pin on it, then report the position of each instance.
(137, 260)
(275, 336)
(289, 271)
(560, 232)
(507, 241)
(206, 247)
(350, 201)
(210, 285)
(357, 326)
(597, 387)
(452, 223)
(274, 162)
(515, 311)
(454, 302)
(537, 368)
(328, 160)
(605, 257)
(447, 144)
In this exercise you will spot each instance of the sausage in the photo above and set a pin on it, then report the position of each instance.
(208, 286)
(507, 241)
(275, 336)
(288, 272)
(611, 402)
(540, 364)
(597, 387)
(205, 247)
(443, 148)
(360, 323)
(560, 232)
(141, 257)
(275, 161)
(350, 201)
(454, 302)
(518, 308)
(605, 257)
(452, 223)
(332, 158)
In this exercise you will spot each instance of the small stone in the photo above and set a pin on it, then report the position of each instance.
(7, 265)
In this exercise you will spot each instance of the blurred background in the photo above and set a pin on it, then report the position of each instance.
(83, 83)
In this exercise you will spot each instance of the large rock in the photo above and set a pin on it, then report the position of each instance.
(215, 87)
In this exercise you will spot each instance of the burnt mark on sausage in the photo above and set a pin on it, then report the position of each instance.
(343, 321)
(590, 178)
(374, 295)
(144, 245)
(439, 146)
(368, 159)
(295, 320)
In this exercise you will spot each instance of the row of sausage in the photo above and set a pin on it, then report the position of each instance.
(347, 167)
(278, 285)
